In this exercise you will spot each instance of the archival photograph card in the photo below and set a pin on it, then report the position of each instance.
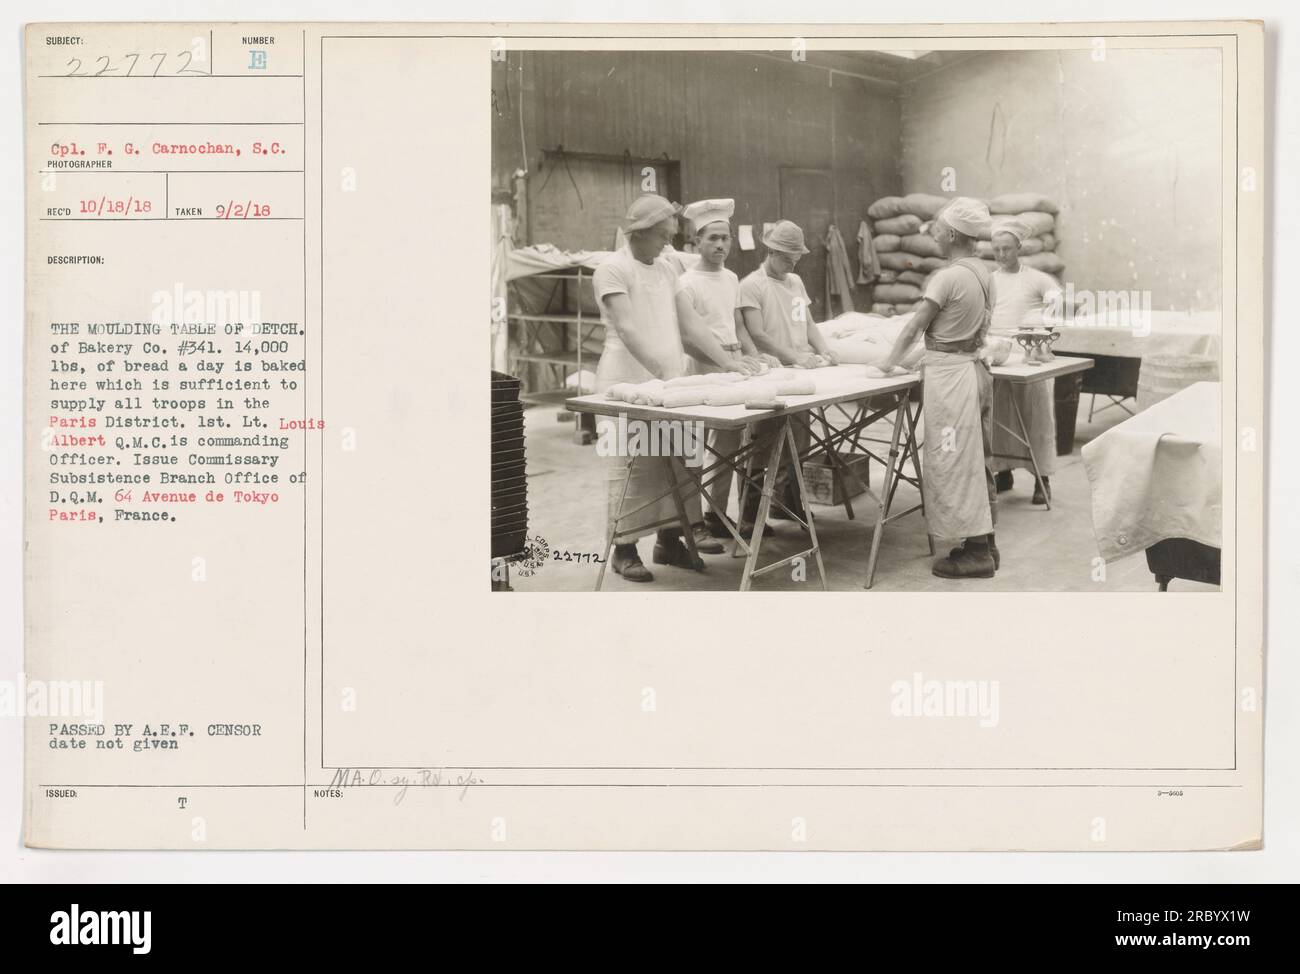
(593, 437)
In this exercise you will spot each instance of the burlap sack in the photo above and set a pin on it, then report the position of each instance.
(1010, 203)
(899, 225)
(1038, 222)
(886, 207)
(902, 261)
(896, 293)
(924, 205)
(1046, 262)
(921, 245)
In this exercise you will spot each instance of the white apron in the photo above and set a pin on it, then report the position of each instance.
(1037, 405)
(650, 291)
(956, 406)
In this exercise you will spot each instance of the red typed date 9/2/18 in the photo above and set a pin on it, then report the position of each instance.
(242, 211)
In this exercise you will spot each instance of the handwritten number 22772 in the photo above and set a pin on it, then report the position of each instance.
(158, 57)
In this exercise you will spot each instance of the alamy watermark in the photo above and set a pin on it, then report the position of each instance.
(919, 697)
(52, 698)
(126, 928)
(652, 438)
(194, 306)
(1102, 309)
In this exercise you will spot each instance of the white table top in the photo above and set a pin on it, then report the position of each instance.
(1022, 374)
(1133, 333)
(839, 383)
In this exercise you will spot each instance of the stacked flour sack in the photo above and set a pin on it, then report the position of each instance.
(908, 255)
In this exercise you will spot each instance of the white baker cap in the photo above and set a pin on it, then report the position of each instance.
(704, 212)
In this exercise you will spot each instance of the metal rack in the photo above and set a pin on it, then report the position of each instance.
(578, 329)
(531, 334)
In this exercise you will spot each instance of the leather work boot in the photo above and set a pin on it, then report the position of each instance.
(1003, 480)
(993, 550)
(974, 559)
(626, 561)
(670, 549)
(704, 540)
(1042, 491)
(715, 527)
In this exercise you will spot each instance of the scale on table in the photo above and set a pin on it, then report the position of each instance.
(1037, 343)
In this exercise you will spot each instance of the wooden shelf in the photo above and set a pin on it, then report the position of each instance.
(553, 358)
(593, 320)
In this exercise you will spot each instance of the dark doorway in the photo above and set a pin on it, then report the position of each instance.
(808, 198)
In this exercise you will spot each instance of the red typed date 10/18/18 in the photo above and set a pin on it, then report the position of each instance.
(127, 207)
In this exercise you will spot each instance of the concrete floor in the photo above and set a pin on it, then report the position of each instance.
(1041, 550)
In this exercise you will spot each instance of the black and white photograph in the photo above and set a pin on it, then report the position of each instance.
(899, 320)
(964, 326)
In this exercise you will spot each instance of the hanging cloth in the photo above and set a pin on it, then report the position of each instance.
(839, 273)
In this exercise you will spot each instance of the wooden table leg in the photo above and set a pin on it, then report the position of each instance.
(764, 503)
(911, 449)
(1024, 432)
(840, 468)
(803, 501)
(885, 490)
(688, 532)
(721, 512)
(611, 531)
(745, 437)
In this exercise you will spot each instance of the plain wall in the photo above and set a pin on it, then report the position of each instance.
(1128, 147)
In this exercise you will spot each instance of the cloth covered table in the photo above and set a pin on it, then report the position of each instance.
(1134, 334)
(1159, 475)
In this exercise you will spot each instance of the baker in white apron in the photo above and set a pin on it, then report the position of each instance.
(1023, 296)
(708, 294)
(635, 287)
(960, 498)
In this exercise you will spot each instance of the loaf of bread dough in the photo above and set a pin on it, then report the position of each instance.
(708, 379)
(874, 372)
(649, 396)
(620, 391)
(638, 394)
(818, 362)
(738, 393)
(802, 386)
(694, 395)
